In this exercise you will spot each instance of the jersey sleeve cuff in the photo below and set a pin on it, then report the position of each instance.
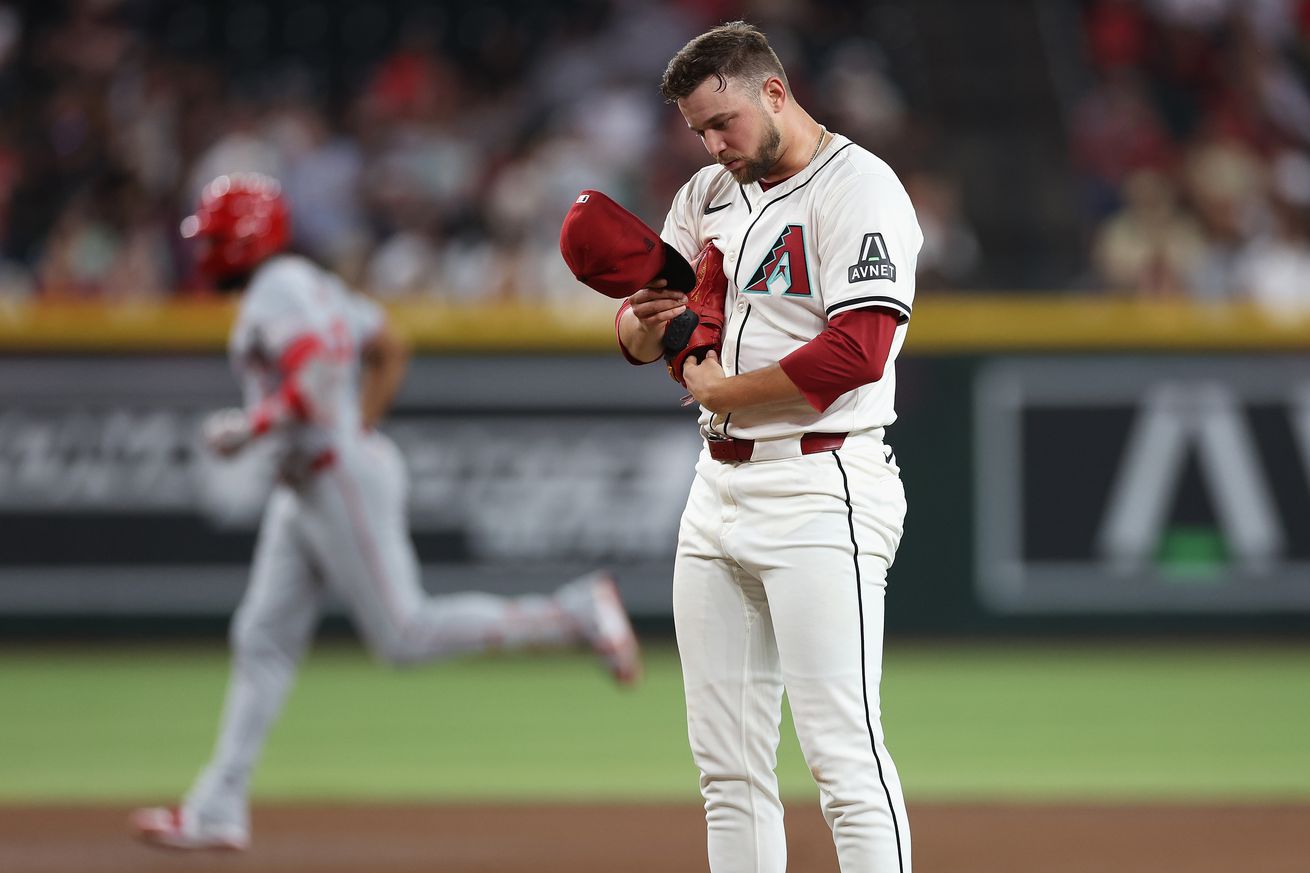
(902, 310)
(819, 398)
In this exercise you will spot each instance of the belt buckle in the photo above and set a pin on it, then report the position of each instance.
(733, 446)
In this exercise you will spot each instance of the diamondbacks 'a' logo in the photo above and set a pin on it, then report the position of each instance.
(783, 269)
(874, 262)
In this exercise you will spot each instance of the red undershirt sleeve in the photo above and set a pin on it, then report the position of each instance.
(292, 400)
(851, 351)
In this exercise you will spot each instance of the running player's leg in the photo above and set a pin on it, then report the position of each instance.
(734, 693)
(360, 536)
(269, 635)
(825, 581)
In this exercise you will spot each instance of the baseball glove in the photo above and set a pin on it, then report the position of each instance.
(697, 336)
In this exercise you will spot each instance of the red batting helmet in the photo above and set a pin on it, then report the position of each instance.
(242, 219)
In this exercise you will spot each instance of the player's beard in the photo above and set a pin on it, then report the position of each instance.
(766, 157)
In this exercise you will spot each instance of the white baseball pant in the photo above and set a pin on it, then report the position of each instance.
(779, 582)
(343, 528)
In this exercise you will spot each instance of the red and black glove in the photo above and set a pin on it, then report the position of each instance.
(613, 251)
(698, 330)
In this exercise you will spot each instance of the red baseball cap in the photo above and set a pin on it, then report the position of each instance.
(613, 251)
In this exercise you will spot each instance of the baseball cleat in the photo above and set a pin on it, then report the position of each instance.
(594, 604)
(171, 828)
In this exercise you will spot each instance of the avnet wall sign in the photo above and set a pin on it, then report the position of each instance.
(1151, 484)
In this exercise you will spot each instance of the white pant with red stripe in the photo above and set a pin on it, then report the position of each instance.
(779, 583)
(344, 528)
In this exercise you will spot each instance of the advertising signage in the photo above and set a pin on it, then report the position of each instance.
(1143, 484)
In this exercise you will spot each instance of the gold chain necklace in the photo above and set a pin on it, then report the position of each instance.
(823, 131)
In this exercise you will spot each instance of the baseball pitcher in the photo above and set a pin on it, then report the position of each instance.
(796, 509)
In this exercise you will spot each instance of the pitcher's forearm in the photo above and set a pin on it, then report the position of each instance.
(641, 343)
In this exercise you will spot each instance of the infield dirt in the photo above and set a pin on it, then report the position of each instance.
(948, 838)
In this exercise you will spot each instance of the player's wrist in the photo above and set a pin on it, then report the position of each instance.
(710, 398)
(642, 343)
(260, 421)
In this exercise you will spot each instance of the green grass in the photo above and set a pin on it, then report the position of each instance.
(1104, 722)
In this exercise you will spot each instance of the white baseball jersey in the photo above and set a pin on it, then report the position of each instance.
(839, 235)
(291, 300)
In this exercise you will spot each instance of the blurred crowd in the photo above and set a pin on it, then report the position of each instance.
(1194, 148)
(432, 148)
(426, 149)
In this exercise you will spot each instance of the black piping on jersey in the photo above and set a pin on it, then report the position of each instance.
(736, 364)
(864, 678)
(765, 207)
(746, 199)
(843, 304)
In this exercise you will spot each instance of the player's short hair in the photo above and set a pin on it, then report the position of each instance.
(735, 50)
